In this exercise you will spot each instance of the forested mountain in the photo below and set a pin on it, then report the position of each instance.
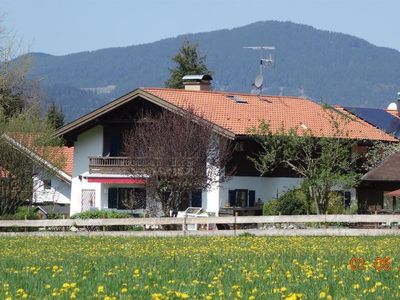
(321, 65)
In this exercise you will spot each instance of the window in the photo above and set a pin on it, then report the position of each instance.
(346, 198)
(242, 198)
(239, 146)
(391, 202)
(126, 198)
(47, 184)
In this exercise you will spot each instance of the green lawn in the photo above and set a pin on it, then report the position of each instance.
(198, 268)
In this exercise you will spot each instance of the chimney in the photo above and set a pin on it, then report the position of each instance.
(197, 82)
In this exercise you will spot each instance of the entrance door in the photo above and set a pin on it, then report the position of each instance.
(88, 199)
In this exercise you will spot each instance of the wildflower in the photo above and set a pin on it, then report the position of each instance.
(322, 295)
(66, 285)
(124, 290)
(100, 289)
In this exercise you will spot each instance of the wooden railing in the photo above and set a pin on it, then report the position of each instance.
(111, 164)
(266, 225)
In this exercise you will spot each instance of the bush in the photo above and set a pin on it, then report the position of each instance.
(22, 212)
(270, 208)
(335, 205)
(293, 202)
(100, 214)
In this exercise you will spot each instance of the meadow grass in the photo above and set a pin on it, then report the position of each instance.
(197, 268)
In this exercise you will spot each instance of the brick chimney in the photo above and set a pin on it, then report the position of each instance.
(197, 82)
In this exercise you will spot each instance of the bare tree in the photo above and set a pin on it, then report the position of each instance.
(178, 153)
(22, 131)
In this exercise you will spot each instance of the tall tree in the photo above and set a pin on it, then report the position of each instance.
(188, 62)
(323, 162)
(177, 153)
(54, 116)
(20, 123)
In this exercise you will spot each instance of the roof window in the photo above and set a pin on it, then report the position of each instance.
(236, 99)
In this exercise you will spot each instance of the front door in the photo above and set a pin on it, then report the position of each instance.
(88, 199)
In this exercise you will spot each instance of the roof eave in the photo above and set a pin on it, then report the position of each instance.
(84, 120)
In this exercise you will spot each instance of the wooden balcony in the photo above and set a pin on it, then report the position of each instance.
(121, 165)
(112, 165)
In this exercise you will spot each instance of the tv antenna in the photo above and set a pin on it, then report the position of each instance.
(264, 62)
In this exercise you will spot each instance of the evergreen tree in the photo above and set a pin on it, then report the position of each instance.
(11, 103)
(188, 62)
(54, 116)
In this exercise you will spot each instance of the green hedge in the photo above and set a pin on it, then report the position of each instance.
(101, 214)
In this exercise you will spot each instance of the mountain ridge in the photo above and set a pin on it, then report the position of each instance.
(322, 65)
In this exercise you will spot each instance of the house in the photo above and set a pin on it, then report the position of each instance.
(376, 185)
(373, 192)
(99, 179)
(52, 170)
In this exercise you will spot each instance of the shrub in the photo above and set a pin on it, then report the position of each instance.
(270, 208)
(335, 204)
(100, 214)
(293, 202)
(22, 212)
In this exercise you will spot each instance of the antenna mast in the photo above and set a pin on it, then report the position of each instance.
(264, 62)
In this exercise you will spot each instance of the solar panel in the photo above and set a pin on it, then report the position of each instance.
(379, 118)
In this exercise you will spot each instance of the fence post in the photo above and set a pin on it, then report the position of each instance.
(26, 218)
(144, 225)
(184, 226)
(63, 228)
(326, 223)
(234, 223)
(376, 224)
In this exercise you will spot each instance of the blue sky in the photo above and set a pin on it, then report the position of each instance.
(66, 26)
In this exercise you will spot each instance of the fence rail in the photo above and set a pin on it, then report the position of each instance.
(234, 220)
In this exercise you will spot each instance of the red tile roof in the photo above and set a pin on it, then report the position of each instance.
(64, 154)
(59, 157)
(221, 109)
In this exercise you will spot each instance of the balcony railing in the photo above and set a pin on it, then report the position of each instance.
(108, 164)
(118, 165)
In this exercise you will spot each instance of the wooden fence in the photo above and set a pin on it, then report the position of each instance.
(314, 225)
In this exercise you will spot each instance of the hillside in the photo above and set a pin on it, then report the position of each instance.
(321, 65)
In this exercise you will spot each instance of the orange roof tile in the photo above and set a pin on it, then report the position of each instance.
(279, 111)
(66, 154)
(57, 156)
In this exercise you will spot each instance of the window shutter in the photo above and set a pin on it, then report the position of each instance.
(232, 198)
(112, 198)
(252, 198)
(196, 199)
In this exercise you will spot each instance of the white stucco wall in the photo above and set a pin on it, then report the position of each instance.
(89, 143)
(266, 188)
(60, 191)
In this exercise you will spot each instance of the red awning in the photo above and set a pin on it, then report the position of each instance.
(117, 180)
(393, 193)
